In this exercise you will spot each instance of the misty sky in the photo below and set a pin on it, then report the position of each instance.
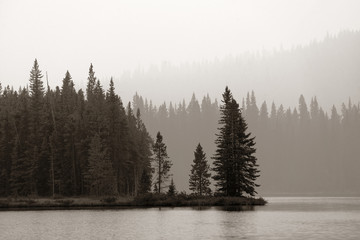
(122, 35)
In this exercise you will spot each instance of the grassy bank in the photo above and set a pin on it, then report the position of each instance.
(147, 200)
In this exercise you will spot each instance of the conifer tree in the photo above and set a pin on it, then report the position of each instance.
(199, 178)
(162, 162)
(144, 143)
(234, 163)
(117, 134)
(91, 84)
(67, 124)
(36, 117)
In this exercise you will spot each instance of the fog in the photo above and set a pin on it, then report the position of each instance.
(124, 36)
(166, 51)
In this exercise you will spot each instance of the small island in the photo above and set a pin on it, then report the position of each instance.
(62, 150)
(147, 200)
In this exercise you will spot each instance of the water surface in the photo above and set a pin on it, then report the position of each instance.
(282, 218)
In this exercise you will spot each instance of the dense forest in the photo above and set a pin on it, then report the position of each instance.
(59, 142)
(302, 150)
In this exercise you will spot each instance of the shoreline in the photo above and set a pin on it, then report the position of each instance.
(146, 201)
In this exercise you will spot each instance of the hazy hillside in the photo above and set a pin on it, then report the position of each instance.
(328, 69)
(302, 150)
(293, 160)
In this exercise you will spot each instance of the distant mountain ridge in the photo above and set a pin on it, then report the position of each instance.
(328, 69)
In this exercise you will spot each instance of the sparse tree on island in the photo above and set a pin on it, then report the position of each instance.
(199, 178)
(162, 162)
(234, 163)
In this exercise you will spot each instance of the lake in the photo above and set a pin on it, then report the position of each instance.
(282, 218)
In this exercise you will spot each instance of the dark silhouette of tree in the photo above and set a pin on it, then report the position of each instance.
(36, 128)
(234, 163)
(162, 163)
(91, 84)
(199, 181)
(117, 131)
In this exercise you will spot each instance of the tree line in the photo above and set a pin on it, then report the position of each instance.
(59, 142)
(303, 149)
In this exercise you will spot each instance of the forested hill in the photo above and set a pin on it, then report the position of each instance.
(302, 150)
(59, 142)
(328, 69)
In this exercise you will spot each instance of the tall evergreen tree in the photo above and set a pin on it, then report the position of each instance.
(36, 128)
(144, 143)
(117, 134)
(162, 162)
(67, 124)
(234, 163)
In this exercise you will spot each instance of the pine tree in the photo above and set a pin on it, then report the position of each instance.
(132, 174)
(234, 162)
(199, 178)
(144, 143)
(67, 124)
(36, 117)
(162, 162)
(91, 84)
(117, 134)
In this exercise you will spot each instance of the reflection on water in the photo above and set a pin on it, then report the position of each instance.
(236, 208)
(282, 218)
(201, 208)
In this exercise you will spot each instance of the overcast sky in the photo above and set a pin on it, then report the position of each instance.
(121, 35)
